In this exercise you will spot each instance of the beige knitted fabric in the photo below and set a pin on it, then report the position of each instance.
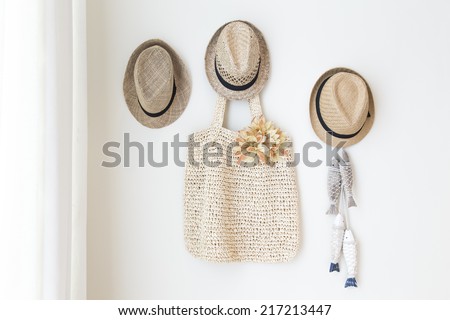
(237, 213)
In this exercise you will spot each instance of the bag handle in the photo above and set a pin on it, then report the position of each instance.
(255, 109)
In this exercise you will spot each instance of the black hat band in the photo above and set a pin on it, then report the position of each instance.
(233, 87)
(160, 113)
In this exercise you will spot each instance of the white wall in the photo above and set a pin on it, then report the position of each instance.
(402, 48)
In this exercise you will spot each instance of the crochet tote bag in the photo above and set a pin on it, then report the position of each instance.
(233, 212)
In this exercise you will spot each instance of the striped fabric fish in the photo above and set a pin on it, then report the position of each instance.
(334, 185)
(337, 238)
(345, 168)
(349, 249)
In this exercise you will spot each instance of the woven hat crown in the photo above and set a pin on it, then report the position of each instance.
(153, 76)
(237, 53)
(344, 102)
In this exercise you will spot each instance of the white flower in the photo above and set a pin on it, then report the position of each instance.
(260, 140)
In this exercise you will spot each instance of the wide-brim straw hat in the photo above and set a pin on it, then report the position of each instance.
(156, 84)
(341, 107)
(237, 60)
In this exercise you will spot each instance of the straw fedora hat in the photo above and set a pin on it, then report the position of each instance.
(341, 107)
(156, 84)
(237, 60)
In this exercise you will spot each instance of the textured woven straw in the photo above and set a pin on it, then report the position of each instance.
(238, 213)
(156, 85)
(237, 60)
(341, 107)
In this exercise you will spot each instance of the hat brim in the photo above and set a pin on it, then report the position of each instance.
(182, 82)
(315, 122)
(263, 69)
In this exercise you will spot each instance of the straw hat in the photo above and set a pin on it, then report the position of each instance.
(156, 85)
(341, 107)
(237, 60)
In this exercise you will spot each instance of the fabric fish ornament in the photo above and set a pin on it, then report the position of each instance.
(345, 168)
(334, 186)
(337, 238)
(349, 248)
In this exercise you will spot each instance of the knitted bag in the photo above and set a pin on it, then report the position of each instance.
(238, 213)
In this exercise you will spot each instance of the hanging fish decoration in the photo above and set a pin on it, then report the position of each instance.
(334, 186)
(349, 249)
(337, 238)
(347, 179)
